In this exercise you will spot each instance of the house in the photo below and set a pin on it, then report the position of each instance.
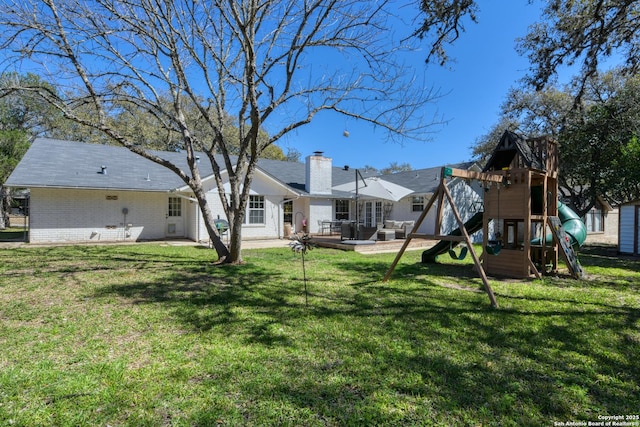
(87, 192)
(629, 241)
(602, 223)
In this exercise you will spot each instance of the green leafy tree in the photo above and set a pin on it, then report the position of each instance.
(574, 33)
(21, 117)
(443, 21)
(13, 145)
(599, 153)
(598, 142)
(530, 113)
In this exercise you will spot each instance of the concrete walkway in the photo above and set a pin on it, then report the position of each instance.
(323, 241)
(249, 244)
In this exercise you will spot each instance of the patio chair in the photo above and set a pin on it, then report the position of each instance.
(323, 226)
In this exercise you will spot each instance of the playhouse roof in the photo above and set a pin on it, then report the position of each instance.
(511, 144)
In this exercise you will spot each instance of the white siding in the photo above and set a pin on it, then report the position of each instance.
(627, 229)
(319, 210)
(272, 227)
(402, 211)
(61, 215)
(191, 214)
(468, 202)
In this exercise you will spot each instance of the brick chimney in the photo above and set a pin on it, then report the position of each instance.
(318, 174)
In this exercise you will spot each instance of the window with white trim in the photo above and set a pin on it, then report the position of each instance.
(417, 203)
(342, 209)
(175, 207)
(255, 212)
(594, 220)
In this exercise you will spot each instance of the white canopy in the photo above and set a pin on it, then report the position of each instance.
(375, 188)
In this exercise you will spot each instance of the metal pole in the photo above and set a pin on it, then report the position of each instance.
(357, 225)
(357, 207)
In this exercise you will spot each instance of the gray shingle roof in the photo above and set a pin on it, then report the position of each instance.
(293, 174)
(65, 164)
(422, 181)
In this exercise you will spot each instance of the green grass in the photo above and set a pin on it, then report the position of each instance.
(157, 335)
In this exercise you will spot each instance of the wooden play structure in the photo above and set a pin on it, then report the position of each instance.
(522, 232)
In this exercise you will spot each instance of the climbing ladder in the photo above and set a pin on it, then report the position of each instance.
(564, 243)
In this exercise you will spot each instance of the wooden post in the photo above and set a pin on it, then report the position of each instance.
(437, 195)
(476, 260)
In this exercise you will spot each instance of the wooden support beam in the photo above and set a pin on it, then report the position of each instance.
(534, 269)
(445, 237)
(476, 260)
(466, 174)
(436, 196)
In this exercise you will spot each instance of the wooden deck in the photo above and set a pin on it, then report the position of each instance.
(367, 246)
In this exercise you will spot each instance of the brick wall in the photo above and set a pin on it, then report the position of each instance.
(68, 215)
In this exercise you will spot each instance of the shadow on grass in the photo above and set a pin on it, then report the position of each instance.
(607, 256)
(408, 351)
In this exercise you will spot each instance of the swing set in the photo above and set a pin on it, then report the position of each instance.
(520, 183)
(442, 194)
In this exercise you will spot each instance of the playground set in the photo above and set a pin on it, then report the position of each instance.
(525, 228)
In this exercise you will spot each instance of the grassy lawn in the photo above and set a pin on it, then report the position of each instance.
(156, 335)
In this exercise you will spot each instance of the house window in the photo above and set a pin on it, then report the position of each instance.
(287, 208)
(378, 212)
(342, 209)
(368, 214)
(594, 220)
(256, 210)
(175, 206)
(417, 203)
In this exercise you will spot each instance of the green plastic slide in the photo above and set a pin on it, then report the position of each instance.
(442, 247)
(571, 223)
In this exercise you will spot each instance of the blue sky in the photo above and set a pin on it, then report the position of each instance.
(485, 66)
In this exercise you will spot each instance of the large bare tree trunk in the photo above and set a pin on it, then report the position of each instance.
(209, 222)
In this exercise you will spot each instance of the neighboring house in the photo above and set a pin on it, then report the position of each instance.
(87, 192)
(602, 223)
(629, 242)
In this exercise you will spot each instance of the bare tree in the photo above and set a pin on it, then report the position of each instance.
(273, 63)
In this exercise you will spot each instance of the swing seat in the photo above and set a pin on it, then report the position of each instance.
(494, 247)
(463, 253)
